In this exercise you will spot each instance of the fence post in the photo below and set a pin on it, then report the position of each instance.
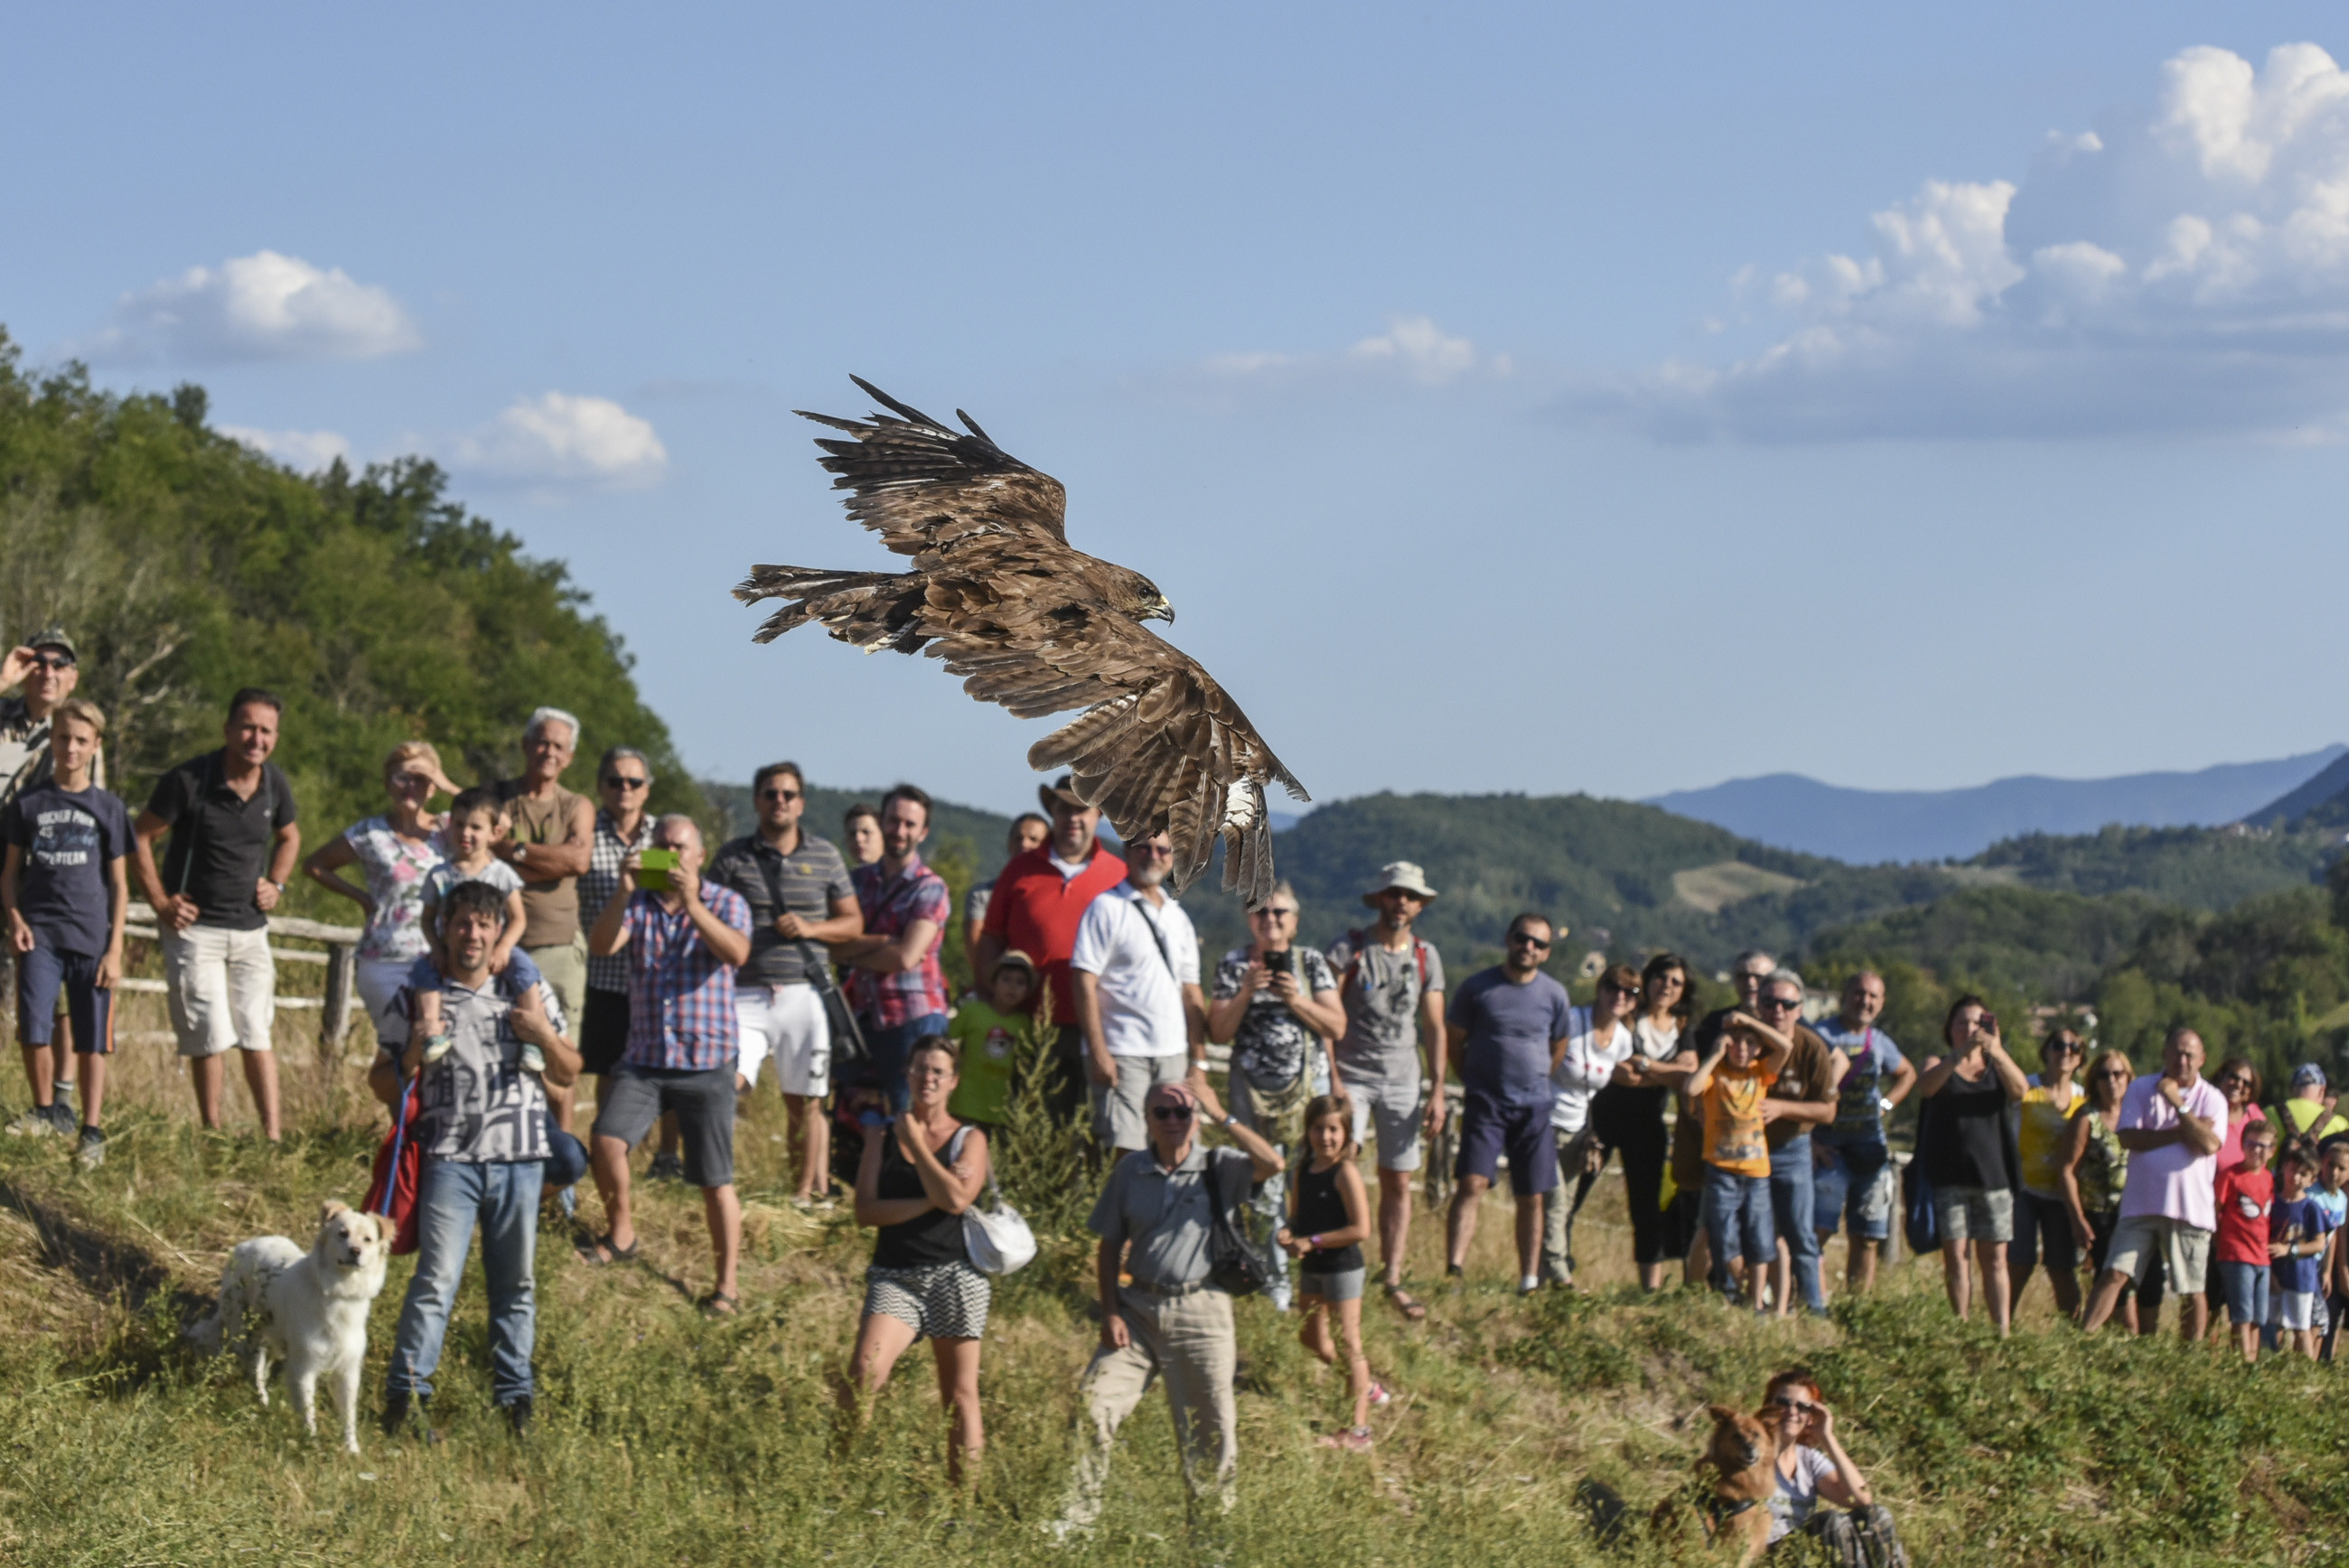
(342, 971)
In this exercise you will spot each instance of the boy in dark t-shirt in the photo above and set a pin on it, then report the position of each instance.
(65, 885)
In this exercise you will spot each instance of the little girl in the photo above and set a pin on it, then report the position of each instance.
(1329, 1220)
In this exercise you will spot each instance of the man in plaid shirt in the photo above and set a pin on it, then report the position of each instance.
(684, 941)
(900, 992)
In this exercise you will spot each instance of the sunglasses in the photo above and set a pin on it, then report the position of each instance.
(2114, 1073)
(1527, 939)
(1170, 1113)
(53, 662)
(1784, 1403)
(622, 781)
(778, 794)
(1276, 913)
(1776, 1004)
(1612, 989)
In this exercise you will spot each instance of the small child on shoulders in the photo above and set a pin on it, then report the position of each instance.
(2300, 1242)
(477, 820)
(2246, 1197)
(991, 1036)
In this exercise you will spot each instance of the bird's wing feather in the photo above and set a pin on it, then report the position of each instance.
(1161, 748)
(921, 485)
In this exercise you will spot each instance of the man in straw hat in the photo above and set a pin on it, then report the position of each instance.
(1039, 899)
(1391, 984)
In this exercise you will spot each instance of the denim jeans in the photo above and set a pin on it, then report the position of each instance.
(450, 1198)
(894, 1048)
(1737, 1223)
(1791, 1207)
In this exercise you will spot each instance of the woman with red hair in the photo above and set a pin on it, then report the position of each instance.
(1812, 1468)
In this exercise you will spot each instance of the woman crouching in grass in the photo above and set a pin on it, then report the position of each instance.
(920, 1171)
(1811, 1469)
(1328, 1221)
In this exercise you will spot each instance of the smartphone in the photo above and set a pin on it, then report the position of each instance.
(1281, 963)
(653, 868)
(871, 1119)
(1987, 1023)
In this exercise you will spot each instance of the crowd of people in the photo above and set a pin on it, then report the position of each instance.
(528, 936)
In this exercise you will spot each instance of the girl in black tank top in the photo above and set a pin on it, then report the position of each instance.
(1327, 1226)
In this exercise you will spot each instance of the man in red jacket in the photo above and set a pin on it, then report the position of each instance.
(1039, 899)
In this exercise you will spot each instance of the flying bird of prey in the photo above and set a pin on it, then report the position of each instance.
(1040, 627)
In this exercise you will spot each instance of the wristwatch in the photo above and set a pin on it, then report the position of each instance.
(1230, 1119)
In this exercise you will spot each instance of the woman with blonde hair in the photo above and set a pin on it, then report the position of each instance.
(2095, 1171)
(396, 851)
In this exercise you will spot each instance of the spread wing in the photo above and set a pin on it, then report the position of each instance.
(920, 485)
(1161, 748)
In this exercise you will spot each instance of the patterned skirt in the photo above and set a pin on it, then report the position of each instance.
(945, 1300)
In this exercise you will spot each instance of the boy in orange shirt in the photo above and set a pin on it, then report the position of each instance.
(1730, 1086)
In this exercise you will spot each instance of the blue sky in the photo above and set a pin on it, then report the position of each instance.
(1534, 398)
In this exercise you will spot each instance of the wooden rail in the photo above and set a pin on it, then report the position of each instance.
(340, 959)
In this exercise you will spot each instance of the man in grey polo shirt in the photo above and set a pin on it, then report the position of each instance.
(1156, 1222)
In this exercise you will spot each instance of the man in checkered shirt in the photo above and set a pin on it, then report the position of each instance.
(899, 991)
(683, 942)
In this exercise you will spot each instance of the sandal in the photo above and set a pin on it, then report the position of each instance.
(718, 1304)
(1354, 1440)
(602, 1251)
(1412, 1309)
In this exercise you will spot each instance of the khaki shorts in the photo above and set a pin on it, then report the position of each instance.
(1118, 1118)
(563, 966)
(223, 989)
(1975, 1213)
(2138, 1238)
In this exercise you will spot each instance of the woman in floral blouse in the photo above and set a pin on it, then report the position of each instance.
(395, 851)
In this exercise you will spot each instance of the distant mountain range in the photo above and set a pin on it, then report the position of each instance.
(1869, 827)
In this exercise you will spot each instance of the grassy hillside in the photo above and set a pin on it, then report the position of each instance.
(2200, 868)
(665, 1438)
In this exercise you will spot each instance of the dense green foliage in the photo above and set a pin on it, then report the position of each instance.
(186, 565)
(2201, 868)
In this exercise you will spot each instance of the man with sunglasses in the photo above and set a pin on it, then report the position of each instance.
(801, 897)
(1134, 974)
(1852, 1179)
(1164, 1319)
(1805, 1096)
(1505, 1028)
(624, 781)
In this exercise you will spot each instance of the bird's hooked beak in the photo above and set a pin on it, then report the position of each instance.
(1160, 610)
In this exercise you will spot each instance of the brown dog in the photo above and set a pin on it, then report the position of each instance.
(1734, 1495)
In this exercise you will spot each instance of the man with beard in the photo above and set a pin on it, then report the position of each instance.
(1134, 974)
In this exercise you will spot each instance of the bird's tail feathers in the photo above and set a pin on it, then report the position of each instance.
(869, 609)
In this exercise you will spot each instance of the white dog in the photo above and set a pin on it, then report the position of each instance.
(307, 1309)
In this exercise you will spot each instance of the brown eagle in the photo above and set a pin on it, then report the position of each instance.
(997, 594)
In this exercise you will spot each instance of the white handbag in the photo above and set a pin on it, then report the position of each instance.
(997, 1237)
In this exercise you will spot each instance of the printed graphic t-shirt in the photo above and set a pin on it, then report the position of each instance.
(1733, 1119)
(2298, 1220)
(2244, 1199)
(68, 838)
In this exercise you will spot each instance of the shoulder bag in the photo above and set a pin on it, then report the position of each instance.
(1238, 1265)
(848, 1047)
(998, 1237)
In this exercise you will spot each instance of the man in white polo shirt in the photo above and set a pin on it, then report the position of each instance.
(1134, 978)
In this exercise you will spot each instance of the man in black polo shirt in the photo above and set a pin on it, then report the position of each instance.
(233, 843)
(801, 897)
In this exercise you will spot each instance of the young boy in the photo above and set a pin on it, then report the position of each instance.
(65, 885)
(1730, 1085)
(991, 1036)
(476, 820)
(2300, 1240)
(2246, 1201)
(2332, 1195)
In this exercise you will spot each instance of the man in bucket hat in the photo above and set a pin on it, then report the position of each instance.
(1039, 898)
(1392, 983)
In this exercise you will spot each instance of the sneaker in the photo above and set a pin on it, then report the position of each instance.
(438, 1046)
(518, 1415)
(92, 1152)
(666, 1167)
(569, 1201)
(395, 1411)
(35, 1123)
(1354, 1440)
(62, 1117)
(1380, 1394)
(534, 1060)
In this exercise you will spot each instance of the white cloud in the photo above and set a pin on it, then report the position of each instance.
(305, 451)
(2182, 270)
(1413, 346)
(261, 306)
(559, 438)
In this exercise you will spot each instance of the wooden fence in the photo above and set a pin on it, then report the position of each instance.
(340, 960)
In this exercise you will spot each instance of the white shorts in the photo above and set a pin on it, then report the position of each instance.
(785, 1022)
(223, 989)
(2292, 1309)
